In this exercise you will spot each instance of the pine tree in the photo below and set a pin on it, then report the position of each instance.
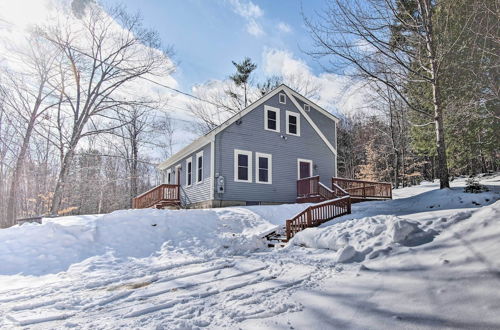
(242, 77)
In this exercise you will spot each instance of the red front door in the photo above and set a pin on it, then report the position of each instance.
(304, 170)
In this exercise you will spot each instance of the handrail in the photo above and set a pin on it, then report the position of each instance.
(160, 193)
(357, 180)
(309, 177)
(317, 214)
(325, 192)
(148, 191)
(338, 188)
(364, 189)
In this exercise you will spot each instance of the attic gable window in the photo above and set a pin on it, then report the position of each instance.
(271, 118)
(282, 98)
(307, 107)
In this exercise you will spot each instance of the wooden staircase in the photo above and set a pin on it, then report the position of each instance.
(330, 203)
(276, 238)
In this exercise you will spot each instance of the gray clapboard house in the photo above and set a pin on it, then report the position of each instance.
(255, 157)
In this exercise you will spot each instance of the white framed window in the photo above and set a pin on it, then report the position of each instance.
(307, 107)
(271, 118)
(304, 168)
(199, 167)
(263, 168)
(282, 98)
(242, 165)
(189, 172)
(169, 176)
(293, 123)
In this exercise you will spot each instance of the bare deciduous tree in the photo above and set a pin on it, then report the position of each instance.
(101, 58)
(29, 95)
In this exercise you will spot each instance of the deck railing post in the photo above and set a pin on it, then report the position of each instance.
(309, 217)
(288, 229)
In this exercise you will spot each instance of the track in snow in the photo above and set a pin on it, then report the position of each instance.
(187, 295)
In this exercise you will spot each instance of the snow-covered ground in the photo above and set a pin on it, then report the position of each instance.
(429, 258)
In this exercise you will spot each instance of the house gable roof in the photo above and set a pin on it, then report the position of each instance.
(210, 136)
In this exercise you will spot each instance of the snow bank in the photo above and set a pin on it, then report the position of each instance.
(371, 237)
(56, 244)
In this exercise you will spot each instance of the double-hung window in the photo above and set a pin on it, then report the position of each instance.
(271, 118)
(199, 167)
(263, 168)
(189, 172)
(292, 123)
(242, 166)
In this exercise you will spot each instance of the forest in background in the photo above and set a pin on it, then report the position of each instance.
(74, 140)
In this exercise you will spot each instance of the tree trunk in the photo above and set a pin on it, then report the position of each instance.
(426, 10)
(61, 180)
(14, 185)
(133, 171)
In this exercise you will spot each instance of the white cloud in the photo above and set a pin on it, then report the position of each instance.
(331, 91)
(251, 13)
(246, 9)
(283, 27)
(254, 28)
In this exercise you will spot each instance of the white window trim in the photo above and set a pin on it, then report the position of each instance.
(299, 160)
(250, 168)
(284, 98)
(277, 110)
(189, 160)
(175, 174)
(296, 115)
(169, 172)
(198, 155)
(307, 107)
(269, 167)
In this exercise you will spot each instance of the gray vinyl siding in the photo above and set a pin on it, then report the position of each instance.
(250, 135)
(325, 124)
(197, 192)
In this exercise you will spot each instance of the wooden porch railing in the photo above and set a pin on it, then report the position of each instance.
(364, 189)
(161, 193)
(325, 192)
(308, 186)
(316, 214)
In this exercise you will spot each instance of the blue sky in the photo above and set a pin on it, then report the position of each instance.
(208, 34)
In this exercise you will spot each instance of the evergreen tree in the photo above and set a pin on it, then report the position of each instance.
(242, 77)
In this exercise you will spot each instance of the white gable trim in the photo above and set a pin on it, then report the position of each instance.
(311, 122)
(320, 109)
(207, 138)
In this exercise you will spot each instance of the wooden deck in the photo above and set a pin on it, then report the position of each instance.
(365, 190)
(332, 202)
(158, 197)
